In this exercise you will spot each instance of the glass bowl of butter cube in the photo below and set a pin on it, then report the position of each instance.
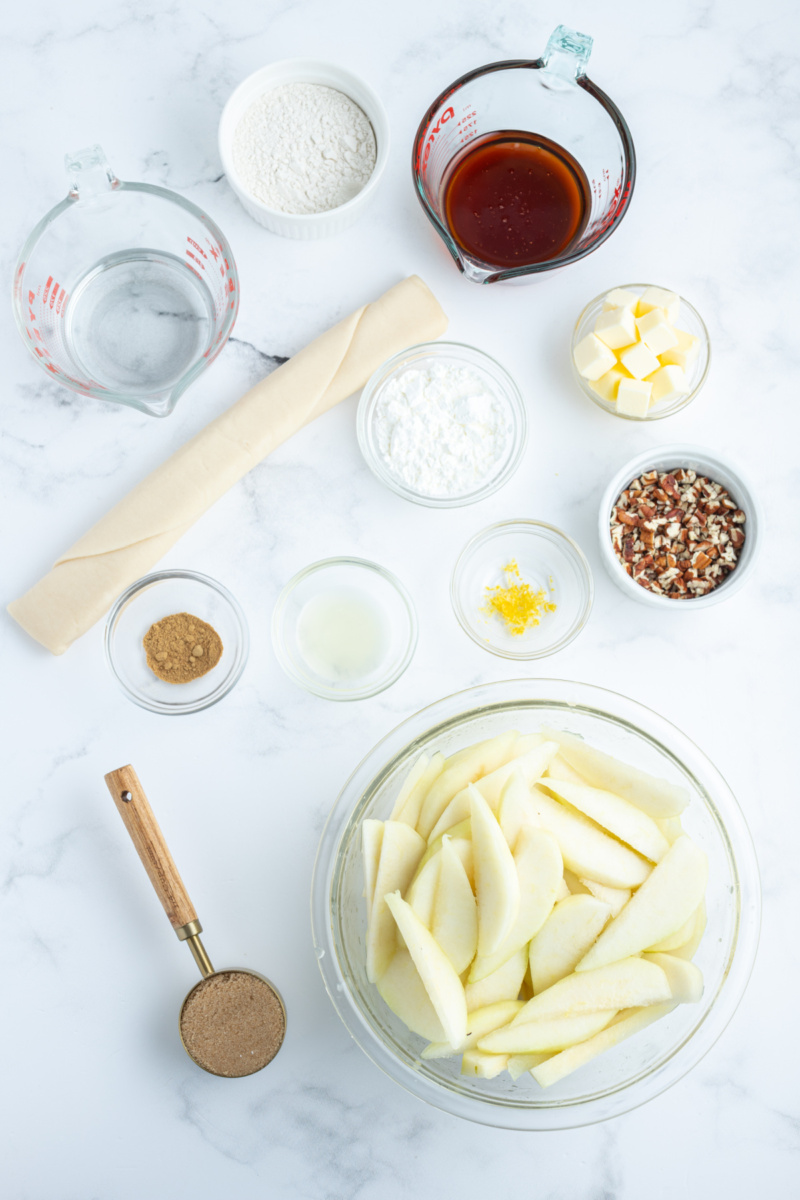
(640, 352)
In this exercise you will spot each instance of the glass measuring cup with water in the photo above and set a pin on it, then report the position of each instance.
(545, 106)
(125, 291)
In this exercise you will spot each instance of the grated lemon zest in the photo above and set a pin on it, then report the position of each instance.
(517, 604)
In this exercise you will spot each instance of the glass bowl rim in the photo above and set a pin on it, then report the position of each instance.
(605, 405)
(240, 659)
(512, 398)
(732, 827)
(575, 553)
(278, 641)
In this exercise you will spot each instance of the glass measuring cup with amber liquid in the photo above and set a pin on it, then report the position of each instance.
(524, 166)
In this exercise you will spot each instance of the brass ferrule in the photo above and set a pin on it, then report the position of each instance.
(190, 929)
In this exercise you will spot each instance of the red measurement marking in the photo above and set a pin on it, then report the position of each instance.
(31, 315)
(231, 286)
(196, 272)
(31, 297)
(47, 287)
(62, 302)
(53, 294)
(215, 251)
(447, 115)
(199, 249)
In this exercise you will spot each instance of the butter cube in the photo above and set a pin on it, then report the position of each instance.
(639, 360)
(656, 332)
(620, 298)
(633, 397)
(683, 353)
(656, 297)
(616, 327)
(669, 383)
(606, 385)
(593, 358)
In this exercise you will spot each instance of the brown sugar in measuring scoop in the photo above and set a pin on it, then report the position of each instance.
(232, 1023)
(181, 647)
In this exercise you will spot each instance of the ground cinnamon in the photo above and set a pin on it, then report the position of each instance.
(181, 647)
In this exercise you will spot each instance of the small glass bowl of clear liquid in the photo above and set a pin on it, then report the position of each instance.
(125, 291)
(344, 628)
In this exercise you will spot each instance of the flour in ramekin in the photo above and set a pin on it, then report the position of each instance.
(304, 148)
(440, 429)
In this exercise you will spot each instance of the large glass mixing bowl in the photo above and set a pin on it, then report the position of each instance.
(638, 1069)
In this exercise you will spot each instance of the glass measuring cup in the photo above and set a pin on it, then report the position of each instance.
(124, 291)
(549, 96)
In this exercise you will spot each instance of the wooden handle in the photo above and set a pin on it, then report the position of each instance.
(149, 841)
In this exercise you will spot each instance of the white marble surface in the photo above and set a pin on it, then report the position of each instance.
(98, 1099)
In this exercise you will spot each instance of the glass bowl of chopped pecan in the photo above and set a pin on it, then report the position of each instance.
(679, 523)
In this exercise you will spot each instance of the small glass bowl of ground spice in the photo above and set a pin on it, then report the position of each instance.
(679, 528)
(522, 589)
(176, 642)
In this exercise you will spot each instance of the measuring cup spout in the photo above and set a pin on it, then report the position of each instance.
(89, 174)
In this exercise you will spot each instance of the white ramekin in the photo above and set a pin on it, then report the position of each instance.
(305, 226)
(705, 462)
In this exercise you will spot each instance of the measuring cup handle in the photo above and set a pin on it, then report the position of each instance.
(137, 815)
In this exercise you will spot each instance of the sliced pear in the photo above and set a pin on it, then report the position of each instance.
(462, 830)
(537, 859)
(689, 949)
(568, 933)
(575, 886)
(515, 809)
(625, 1025)
(401, 850)
(560, 769)
(371, 839)
(586, 849)
(409, 783)
(462, 768)
(615, 898)
(657, 797)
(518, 1064)
(404, 992)
(563, 891)
(548, 1034)
(677, 939)
(619, 817)
(463, 848)
(684, 978)
(483, 1066)
(531, 766)
(504, 984)
(671, 827)
(630, 983)
(421, 893)
(415, 796)
(496, 881)
(479, 1023)
(455, 913)
(435, 970)
(662, 904)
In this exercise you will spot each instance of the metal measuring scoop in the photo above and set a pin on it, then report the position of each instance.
(233, 1022)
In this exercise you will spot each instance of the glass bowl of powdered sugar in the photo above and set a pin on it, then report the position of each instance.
(442, 424)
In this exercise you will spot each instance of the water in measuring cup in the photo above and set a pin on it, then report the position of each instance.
(137, 321)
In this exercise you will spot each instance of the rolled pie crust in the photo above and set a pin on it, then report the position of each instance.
(127, 542)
